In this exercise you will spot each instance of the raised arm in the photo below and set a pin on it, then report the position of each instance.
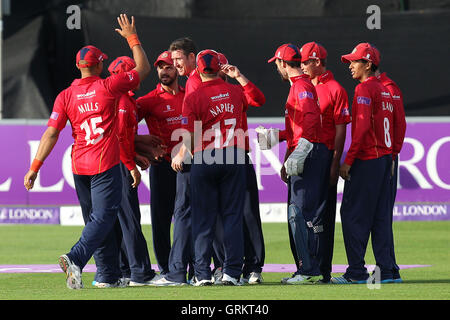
(128, 31)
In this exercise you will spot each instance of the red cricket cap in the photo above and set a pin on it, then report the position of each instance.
(89, 56)
(377, 53)
(313, 50)
(222, 58)
(164, 57)
(208, 61)
(121, 64)
(287, 52)
(363, 51)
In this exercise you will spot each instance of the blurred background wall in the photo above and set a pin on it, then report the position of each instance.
(38, 49)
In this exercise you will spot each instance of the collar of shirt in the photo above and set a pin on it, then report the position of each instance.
(383, 78)
(213, 82)
(372, 78)
(161, 90)
(79, 82)
(326, 76)
(192, 73)
(296, 78)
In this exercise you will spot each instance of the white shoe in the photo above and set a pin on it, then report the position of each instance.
(255, 278)
(230, 281)
(201, 283)
(146, 283)
(72, 271)
(300, 279)
(218, 274)
(285, 279)
(164, 282)
(118, 284)
(125, 281)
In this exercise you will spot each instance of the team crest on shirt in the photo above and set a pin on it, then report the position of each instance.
(363, 100)
(169, 108)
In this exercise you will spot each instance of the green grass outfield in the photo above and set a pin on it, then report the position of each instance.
(425, 243)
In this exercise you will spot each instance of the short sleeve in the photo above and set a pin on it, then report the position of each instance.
(121, 83)
(58, 118)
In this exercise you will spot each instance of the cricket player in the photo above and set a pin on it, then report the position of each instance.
(212, 114)
(161, 109)
(306, 166)
(366, 205)
(399, 131)
(333, 102)
(254, 248)
(182, 52)
(134, 258)
(90, 104)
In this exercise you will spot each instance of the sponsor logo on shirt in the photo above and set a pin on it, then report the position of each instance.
(305, 95)
(54, 116)
(174, 119)
(221, 96)
(86, 95)
(396, 97)
(385, 94)
(363, 100)
(184, 120)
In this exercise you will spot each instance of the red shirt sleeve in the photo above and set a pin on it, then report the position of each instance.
(121, 83)
(58, 118)
(254, 96)
(126, 133)
(362, 111)
(399, 119)
(144, 105)
(188, 113)
(341, 110)
(306, 104)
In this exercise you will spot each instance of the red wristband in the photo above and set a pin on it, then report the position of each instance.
(36, 165)
(133, 40)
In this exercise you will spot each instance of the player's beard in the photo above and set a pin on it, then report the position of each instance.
(283, 78)
(167, 80)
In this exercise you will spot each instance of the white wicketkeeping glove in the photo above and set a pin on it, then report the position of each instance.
(267, 138)
(296, 160)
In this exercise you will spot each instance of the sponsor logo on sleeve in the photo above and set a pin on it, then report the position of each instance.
(305, 95)
(363, 100)
(345, 112)
(54, 116)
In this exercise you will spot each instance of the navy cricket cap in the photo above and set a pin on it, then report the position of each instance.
(208, 61)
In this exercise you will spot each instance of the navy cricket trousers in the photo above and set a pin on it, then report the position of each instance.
(100, 196)
(162, 201)
(366, 211)
(218, 190)
(254, 248)
(307, 198)
(182, 251)
(394, 178)
(326, 238)
(131, 239)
